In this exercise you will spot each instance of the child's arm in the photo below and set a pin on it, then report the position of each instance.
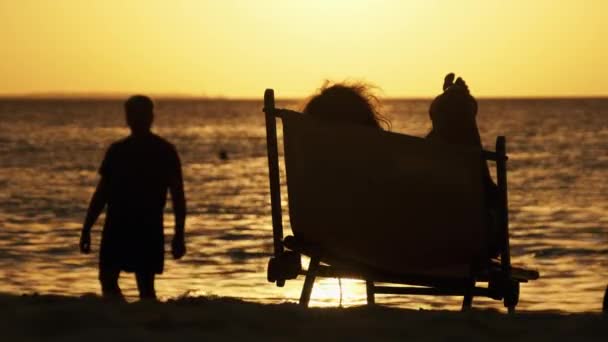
(96, 206)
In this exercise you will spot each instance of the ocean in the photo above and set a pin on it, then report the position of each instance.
(50, 151)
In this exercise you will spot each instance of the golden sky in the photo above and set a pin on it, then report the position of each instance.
(236, 48)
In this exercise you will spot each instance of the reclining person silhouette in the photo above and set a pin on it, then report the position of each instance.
(136, 173)
(453, 115)
(346, 103)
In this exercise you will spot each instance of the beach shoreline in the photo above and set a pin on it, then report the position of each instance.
(35, 317)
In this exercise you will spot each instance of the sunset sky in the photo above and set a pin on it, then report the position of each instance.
(236, 48)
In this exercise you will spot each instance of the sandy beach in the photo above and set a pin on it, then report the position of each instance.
(36, 317)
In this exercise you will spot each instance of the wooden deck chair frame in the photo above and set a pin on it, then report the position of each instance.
(503, 280)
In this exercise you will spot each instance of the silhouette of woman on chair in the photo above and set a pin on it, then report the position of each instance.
(453, 115)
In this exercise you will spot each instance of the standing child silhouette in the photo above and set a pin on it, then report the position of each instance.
(136, 173)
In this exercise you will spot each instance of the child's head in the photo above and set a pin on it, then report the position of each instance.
(348, 103)
(139, 110)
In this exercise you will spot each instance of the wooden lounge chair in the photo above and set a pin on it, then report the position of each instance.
(386, 208)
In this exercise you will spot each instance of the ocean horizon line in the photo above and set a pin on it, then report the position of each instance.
(188, 97)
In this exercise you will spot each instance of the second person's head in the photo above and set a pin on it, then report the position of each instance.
(346, 103)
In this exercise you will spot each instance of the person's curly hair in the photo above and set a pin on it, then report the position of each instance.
(347, 102)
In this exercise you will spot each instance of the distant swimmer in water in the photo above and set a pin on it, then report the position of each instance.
(136, 174)
(223, 155)
(346, 103)
(453, 115)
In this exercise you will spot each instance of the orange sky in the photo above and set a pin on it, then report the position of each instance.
(236, 48)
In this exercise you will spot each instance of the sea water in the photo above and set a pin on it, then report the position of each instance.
(50, 151)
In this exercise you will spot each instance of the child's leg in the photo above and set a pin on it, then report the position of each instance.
(145, 285)
(108, 277)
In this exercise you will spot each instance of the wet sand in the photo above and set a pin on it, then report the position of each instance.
(34, 317)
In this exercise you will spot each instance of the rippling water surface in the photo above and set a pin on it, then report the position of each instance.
(50, 152)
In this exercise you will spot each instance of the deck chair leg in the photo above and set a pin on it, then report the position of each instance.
(605, 307)
(467, 302)
(511, 298)
(309, 281)
(369, 286)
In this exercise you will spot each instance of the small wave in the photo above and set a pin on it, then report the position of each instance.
(237, 237)
(238, 254)
(556, 252)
